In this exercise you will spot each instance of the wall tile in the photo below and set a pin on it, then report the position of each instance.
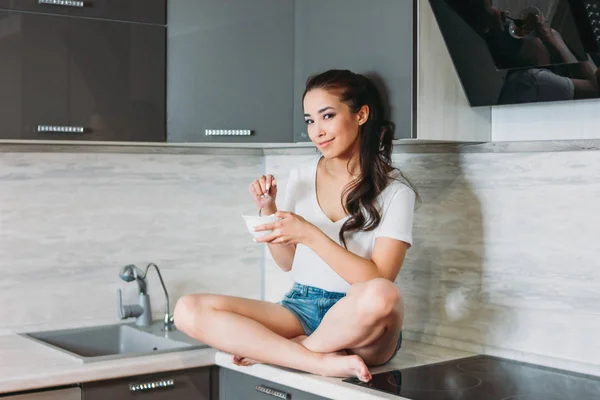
(70, 221)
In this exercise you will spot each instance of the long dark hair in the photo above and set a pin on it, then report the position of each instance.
(375, 146)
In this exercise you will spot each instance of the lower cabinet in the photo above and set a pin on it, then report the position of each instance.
(73, 393)
(234, 385)
(186, 384)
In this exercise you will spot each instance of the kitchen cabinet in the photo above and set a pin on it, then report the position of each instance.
(71, 78)
(73, 393)
(399, 44)
(242, 65)
(117, 80)
(186, 384)
(364, 37)
(234, 385)
(33, 74)
(144, 11)
(230, 70)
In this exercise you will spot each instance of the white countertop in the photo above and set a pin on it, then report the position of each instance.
(26, 364)
(410, 355)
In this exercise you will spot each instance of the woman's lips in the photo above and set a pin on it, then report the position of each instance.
(325, 143)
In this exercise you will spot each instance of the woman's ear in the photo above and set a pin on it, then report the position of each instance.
(363, 114)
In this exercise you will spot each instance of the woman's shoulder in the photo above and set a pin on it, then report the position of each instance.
(398, 190)
(397, 183)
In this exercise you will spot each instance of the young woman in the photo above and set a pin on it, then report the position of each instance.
(343, 232)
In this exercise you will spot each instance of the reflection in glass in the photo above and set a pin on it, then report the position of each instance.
(521, 51)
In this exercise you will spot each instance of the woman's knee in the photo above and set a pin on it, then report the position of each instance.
(191, 307)
(379, 299)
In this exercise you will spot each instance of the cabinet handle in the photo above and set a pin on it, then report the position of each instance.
(66, 3)
(161, 384)
(227, 132)
(65, 129)
(273, 392)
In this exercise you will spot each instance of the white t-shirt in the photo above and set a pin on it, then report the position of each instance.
(396, 205)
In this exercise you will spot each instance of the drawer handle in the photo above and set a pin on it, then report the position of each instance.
(227, 132)
(162, 384)
(66, 3)
(273, 392)
(62, 129)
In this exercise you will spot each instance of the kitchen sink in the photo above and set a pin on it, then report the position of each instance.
(107, 342)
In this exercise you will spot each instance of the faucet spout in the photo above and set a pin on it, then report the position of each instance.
(168, 323)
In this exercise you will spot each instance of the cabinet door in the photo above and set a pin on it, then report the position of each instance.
(145, 11)
(73, 393)
(365, 37)
(188, 384)
(234, 385)
(33, 74)
(36, 6)
(230, 68)
(117, 80)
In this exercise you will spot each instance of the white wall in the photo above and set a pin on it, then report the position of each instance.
(547, 121)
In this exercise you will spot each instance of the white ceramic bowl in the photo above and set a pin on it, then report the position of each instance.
(255, 220)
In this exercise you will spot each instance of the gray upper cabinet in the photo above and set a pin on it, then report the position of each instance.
(67, 77)
(230, 68)
(372, 38)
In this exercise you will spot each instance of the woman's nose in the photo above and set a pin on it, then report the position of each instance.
(320, 131)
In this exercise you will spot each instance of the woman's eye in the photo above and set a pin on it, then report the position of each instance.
(308, 121)
(328, 116)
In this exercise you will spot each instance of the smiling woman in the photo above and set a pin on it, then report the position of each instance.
(343, 231)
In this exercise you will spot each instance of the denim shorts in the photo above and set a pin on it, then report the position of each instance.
(310, 304)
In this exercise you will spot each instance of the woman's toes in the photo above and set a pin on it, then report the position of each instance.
(237, 360)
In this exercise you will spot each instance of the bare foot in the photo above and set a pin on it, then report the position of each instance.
(343, 366)
(243, 361)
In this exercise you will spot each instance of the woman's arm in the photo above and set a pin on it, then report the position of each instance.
(386, 259)
(584, 88)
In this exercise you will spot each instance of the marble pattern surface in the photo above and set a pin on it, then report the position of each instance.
(505, 254)
(70, 221)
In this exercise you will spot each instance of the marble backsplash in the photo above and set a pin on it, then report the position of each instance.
(70, 221)
(505, 259)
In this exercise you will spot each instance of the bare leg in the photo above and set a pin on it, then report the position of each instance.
(246, 362)
(227, 324)
(367, 321)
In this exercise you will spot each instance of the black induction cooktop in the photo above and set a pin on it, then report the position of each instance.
(484, 378)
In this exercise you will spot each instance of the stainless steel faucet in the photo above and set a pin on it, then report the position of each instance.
(129, 273)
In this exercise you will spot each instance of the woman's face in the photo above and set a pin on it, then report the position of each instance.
(332, 127)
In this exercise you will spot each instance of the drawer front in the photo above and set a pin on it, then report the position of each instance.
(144, 11)
(234, 385)
(57, 394)
(188, 384)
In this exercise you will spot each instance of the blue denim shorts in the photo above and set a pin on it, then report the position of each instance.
(310, 304)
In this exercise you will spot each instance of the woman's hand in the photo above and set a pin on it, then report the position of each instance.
(289, 228)
(263, 192)
(543, 30)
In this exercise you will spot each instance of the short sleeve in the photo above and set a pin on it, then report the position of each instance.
(289, 193)
(397, 219)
